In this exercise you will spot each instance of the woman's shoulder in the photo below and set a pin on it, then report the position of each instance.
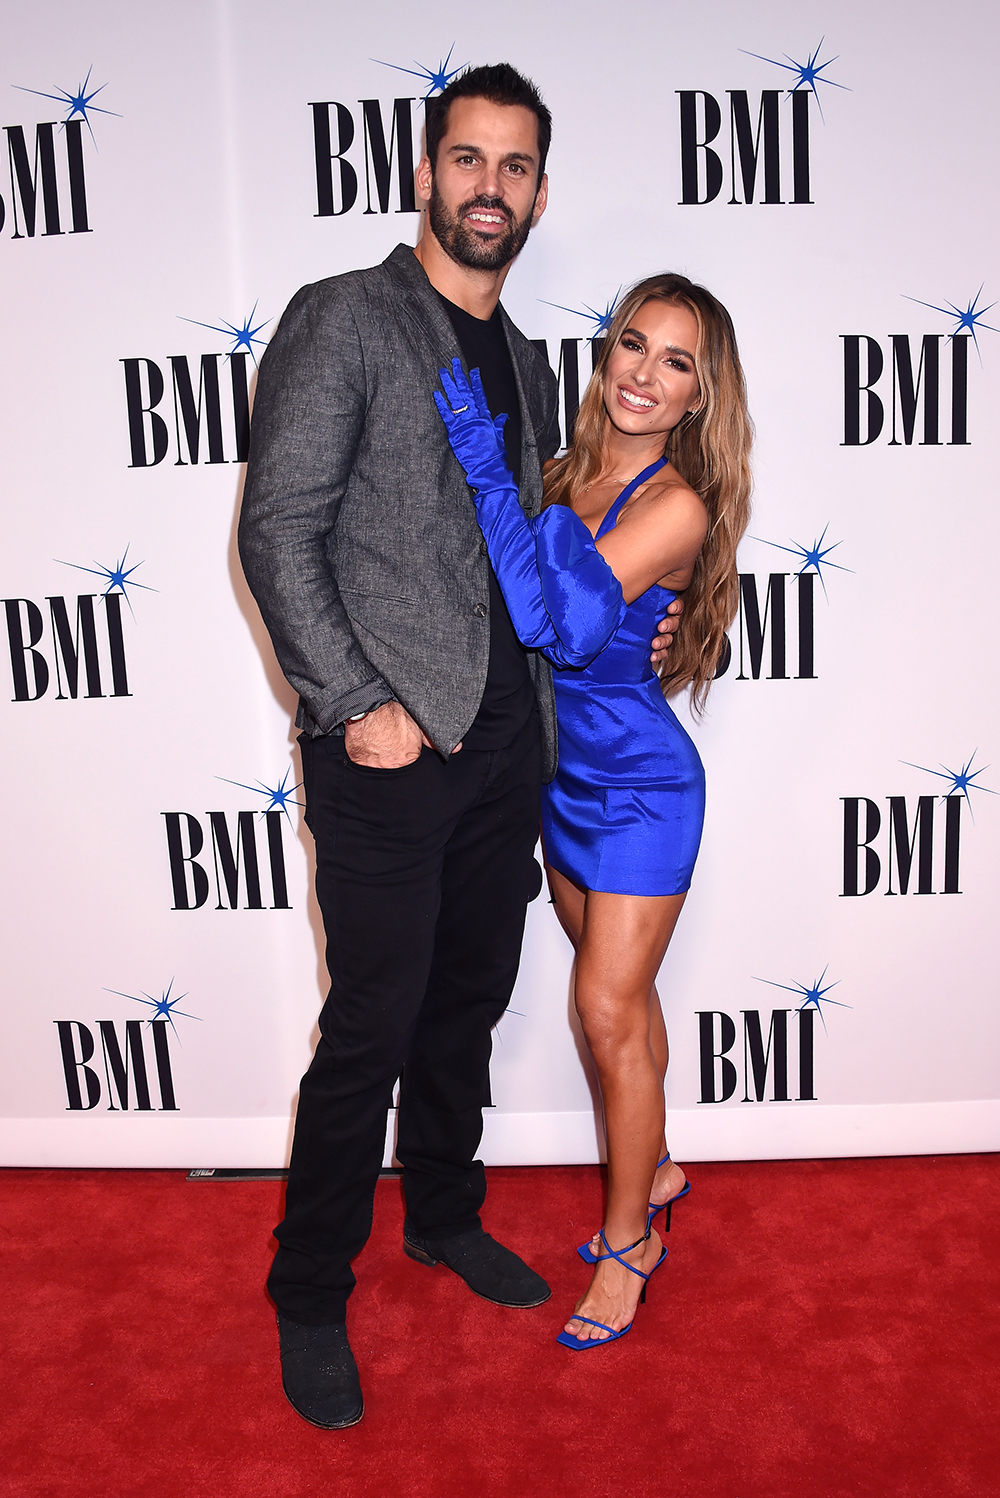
(667, 494)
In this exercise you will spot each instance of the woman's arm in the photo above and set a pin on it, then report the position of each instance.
(657, 539)
(671, 621)
(562, 596)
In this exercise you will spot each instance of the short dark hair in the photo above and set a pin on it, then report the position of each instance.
(500, 84)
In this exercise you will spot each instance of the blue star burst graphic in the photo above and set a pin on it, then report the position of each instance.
(81, 103)
(119, 577)
(814, 556)
(280, 797)
(163, 1008)
(969, 320)
(963, 780)
(601, 320)
(813, 997)
(438, 78)
(243, 338)
(807, 74)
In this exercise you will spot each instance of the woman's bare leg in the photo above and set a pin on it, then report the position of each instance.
(669, 1178)
(620, 945)
(570, 906)
(570, 902)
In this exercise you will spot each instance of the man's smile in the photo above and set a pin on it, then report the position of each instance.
(486, 218)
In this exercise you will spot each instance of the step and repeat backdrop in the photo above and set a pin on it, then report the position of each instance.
(172, 173)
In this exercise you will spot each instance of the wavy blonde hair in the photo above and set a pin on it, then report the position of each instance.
(709, 449)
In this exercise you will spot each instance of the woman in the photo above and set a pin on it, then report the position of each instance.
(651, 500)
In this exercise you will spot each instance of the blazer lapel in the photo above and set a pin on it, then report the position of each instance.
(531, 470)
(424, 307)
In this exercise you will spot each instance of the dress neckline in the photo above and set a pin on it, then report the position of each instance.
(611, 518)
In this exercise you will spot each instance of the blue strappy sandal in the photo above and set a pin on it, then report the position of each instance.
(586, 1252)
(580, 1344)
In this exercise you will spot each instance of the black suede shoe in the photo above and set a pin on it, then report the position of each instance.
(319, 1374)
(488, 1268)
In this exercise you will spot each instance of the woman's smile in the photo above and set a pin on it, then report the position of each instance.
(651, 381)
(631, 399)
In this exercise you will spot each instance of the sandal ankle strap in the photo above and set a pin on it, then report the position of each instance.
(616, 1253)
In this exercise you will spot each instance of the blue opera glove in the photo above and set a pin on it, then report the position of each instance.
(562, 596)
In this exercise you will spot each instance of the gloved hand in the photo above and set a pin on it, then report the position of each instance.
(476, 437)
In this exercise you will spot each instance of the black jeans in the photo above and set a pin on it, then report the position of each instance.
(423, 876)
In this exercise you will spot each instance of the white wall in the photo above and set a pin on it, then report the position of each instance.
(201, 194)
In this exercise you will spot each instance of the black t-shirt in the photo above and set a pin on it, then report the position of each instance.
(508, 696)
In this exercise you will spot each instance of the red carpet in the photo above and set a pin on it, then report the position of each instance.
(821, 1328)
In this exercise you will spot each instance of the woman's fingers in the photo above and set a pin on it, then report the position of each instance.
(479, 394)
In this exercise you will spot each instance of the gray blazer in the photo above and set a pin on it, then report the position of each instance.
(358, 534)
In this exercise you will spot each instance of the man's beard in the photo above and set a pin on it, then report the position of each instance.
(461, 242)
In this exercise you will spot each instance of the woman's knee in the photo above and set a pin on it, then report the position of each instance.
(613, 1027)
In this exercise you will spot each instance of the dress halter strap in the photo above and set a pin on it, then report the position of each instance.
(611, 517)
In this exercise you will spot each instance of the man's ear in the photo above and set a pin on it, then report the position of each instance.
(424, 179)
(541, 199)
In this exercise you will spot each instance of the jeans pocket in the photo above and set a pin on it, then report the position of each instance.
(379, 771)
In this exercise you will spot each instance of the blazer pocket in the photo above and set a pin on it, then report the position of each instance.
(369, 593)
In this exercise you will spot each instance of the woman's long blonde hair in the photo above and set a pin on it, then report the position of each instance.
(709, 449)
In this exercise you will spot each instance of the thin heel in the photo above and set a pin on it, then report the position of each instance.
(665, 1207)
(642, 1296)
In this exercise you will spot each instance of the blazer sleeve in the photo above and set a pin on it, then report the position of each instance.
(308, 417)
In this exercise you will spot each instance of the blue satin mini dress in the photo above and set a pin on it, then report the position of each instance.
(624, 813)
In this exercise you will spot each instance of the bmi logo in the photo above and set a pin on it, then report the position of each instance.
(566, 365)
(47, 175)
(783, 1062)
(913, 845)
(371, 140)
(767, 160)
(899, 388)
(775, 626)
(127, 1063)
(82, 658)
(207, 424)
(224, 853)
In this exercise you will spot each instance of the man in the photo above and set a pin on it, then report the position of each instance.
(427, 729)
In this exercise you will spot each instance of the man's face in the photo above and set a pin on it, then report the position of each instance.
(482, 198)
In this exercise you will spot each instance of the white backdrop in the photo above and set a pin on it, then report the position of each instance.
(136, 242)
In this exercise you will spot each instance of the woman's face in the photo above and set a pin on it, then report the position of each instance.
(650, 381)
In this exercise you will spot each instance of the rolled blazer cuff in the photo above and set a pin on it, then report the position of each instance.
(332, 709)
